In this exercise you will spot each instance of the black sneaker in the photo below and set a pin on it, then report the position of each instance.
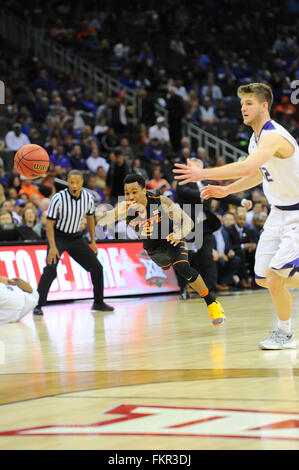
(102, 307)
(38, 311)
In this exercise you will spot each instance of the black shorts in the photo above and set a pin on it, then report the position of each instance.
(165, 254)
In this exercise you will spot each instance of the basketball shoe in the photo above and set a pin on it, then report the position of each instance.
(279, 340)
(216, 313)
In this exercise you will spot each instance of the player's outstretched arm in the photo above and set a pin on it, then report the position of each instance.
(178, 216)
(118, 213)
(21, 284)
(268, 146)
(241, 184)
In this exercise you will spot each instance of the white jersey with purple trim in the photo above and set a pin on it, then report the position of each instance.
(15, 303)
(280, 175)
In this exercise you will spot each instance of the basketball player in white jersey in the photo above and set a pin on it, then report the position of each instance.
(274, 160)
(17, 298)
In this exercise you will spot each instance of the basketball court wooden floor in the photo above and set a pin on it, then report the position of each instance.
(154, 374)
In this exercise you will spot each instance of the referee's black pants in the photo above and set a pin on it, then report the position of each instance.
(79, 250)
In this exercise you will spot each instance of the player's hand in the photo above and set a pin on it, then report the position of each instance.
(135, 206)
(247, 204)
(211, 190)
(174, 238)
(94, 247)
(53, 256)
(4, 280)
(188, 173)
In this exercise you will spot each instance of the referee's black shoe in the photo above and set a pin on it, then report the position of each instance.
(38, 311)
(102, 307)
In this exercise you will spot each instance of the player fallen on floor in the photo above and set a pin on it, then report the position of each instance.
(150, 214)
(17, 298)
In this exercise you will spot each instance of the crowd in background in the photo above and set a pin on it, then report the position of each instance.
(182, 56)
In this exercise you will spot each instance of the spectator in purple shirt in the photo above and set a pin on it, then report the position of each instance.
(60, 158)
(44, 82)
(153, 151)
(77, 160)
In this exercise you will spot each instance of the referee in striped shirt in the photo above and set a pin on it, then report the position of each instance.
(63, 231)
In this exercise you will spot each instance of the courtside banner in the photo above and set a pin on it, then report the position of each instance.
(127, 271)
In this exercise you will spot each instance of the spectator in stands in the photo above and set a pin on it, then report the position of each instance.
(94, 161)
(12, 193)
(176, 113)
(228, 219)
(2, 194)
(241, 239)
(15, 138)
(202, 156)
(228, 263)
(77, 160)
(18, 211)
(179, 89)
(127, 150)
(157, 180)
(185, 144)
(177, 45)
(101, 128)
(127, 79)
(137, 169)
(30, 217)
(153, 152)
(257, 225)
(6, 217)
(29, 188)
(207, 115)
(242, 71)
(44, 82)
(4, 177)
(104, 111)
(61, 158)
(101, 179)
(159, 131)
(212, 90)
(285, 110)
(47, 186)
(257, 208)
(109, 141)
(92, 184)
(116, 174)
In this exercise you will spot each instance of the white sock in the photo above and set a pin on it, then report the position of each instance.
(285, 325)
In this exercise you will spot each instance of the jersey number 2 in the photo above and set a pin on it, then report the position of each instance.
(266, 174)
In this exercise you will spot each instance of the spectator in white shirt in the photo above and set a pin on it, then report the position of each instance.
(207, 112)
(159, 131)
(94, 161)
(15, 139)
(177, 45)
(17, 298)
(101, 128)
(212, 90)
(179, 89)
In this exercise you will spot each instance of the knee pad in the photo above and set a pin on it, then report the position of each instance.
(186, 271)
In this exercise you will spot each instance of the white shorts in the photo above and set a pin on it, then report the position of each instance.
(278, 246)
(31, 301)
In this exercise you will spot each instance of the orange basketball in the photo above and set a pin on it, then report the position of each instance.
(32, 161)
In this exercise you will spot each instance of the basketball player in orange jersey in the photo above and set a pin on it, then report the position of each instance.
(149, 214)
(274, 160)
